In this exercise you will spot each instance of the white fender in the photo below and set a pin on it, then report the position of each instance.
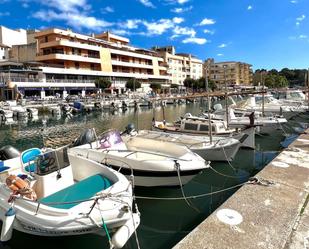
(7, 225)
(123, 234)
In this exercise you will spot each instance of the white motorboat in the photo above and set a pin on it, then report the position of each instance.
(220, 149)
(19, 111)
(5, 114)
(33, 112)
(271, 106)
(241, 119)
(54, 110)
(152, 162)
(53, 193)
(200, 126)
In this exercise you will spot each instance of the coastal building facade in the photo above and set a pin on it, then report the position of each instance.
(66, 62)
(4, 52)
(69, 55)
(230, 72)
(181, 65)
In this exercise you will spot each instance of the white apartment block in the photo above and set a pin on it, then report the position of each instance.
(10, 37)
(4, 52)
(180, 66)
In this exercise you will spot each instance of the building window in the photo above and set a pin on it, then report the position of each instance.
(92, 66)
(46, 38)
(77, 65)
(3, 57)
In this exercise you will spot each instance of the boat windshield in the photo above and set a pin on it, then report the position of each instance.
(112, 140)
(52, 161)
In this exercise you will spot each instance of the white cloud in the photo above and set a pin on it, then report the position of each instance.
(76, 20)
(223, 45)
(249, 7)
(4, 13)
(183, 31)
(207, 21)
(147, 3)
(25, 5)
(302, 36)
(177, 1)
(121, 32)
(74, 13)
(67, 5)
(294, 1)
(301, 18)
(178, 20)
(181, 10)
(130, 24)
(159, 27)
(207, 31)
(195, 40)
(220, 54)
(107, 9)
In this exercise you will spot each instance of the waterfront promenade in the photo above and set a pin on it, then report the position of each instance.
(270, 214)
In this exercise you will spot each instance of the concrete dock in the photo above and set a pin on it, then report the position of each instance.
(271, 214)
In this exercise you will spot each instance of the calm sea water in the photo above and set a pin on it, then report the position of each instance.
(163, 222)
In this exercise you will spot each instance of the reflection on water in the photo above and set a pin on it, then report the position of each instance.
(163, 222)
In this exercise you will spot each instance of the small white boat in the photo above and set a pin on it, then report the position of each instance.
(19, 111)
(33, 112)
(220, 149)
(152, 162)
(5, 114)
(271, 106)
(54, 110)
(197, 126)
(241, 119)
(53, 193)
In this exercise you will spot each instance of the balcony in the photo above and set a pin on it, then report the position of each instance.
(68, 57)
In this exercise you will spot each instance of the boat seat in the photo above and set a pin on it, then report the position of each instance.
(81, 190)
(28, 157)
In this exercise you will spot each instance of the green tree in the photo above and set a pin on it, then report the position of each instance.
(102, 83)
(189, 82)
(202, 84)
(133, 84)
(155, 87)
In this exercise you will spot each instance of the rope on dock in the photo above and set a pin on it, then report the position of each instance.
(252, 180)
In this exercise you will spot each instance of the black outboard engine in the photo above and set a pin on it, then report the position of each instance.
(8, 152)
(129, 128)
(87, 137)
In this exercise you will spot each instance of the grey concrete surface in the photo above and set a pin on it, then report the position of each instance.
(275, 216)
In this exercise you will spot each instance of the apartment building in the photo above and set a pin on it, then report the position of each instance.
(180, 66)
(69, 55)
(230, 72)
(65, 62)
(4, 52)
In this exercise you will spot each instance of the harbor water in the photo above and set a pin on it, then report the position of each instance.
(164, 221)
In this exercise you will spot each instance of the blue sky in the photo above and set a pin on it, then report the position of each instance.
(266, 33)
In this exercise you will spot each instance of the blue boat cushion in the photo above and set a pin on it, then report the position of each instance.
(82, 190)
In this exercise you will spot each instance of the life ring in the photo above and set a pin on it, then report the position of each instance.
(19, 186)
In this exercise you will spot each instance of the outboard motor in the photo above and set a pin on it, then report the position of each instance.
(87, 137)
(129, 128)
(8, 152)
(2, 116)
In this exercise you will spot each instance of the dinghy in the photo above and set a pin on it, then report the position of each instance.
(52, 193)
(152, 162)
